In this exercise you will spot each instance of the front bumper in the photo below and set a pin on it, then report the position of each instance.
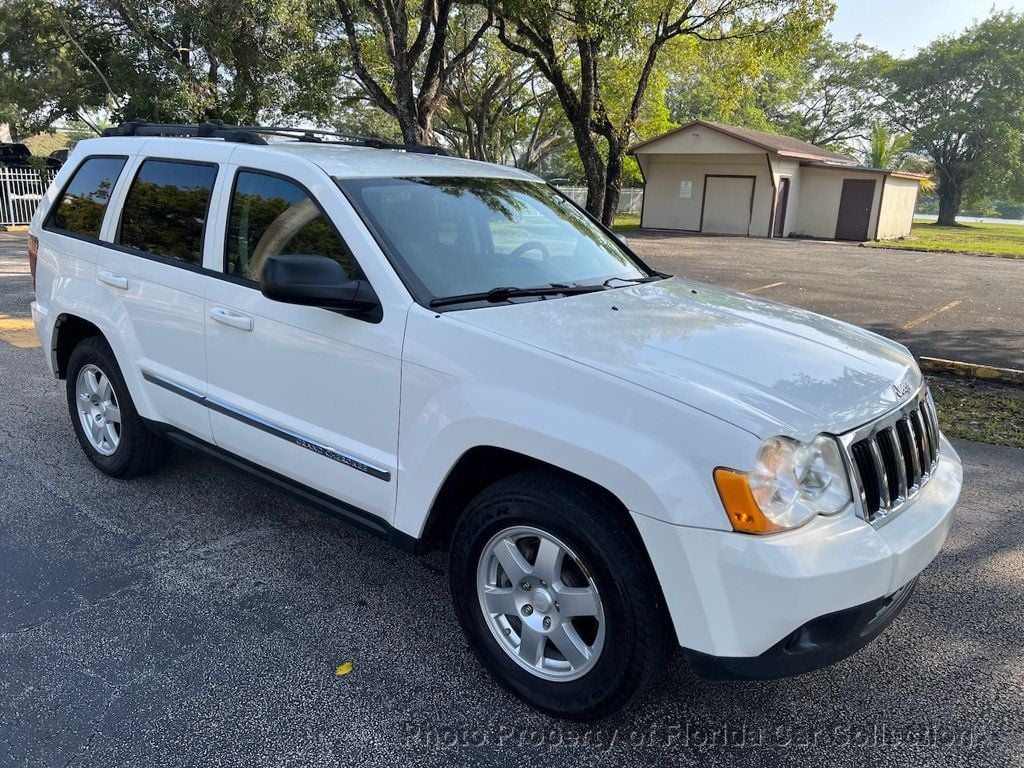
(816, 644)
(737, 596)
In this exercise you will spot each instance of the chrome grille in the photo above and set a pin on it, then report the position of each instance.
(892, 459)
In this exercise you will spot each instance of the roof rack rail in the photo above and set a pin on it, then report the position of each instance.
(253, 134)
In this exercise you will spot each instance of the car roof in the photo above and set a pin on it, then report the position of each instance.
(339, 160)
(344, 161)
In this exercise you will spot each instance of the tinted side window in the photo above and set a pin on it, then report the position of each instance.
(165, 210)
(80, 209)
(271, 216)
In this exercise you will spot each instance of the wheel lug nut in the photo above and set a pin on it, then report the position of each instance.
(527, 610)
(525, 586)
(543, 583)
(547, 622)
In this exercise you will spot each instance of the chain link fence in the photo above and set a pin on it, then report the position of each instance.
(21, 189)
(630, 200)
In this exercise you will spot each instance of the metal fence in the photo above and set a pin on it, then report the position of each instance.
(630, 200)
(21, 189)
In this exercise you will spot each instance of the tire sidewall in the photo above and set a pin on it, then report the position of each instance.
(96, 352)
(569, 698)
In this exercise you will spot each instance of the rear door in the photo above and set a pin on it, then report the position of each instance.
(154, 266)
(309, 393)
(71, 230)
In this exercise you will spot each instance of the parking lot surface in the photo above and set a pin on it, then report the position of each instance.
(195, 618)
(946, 305)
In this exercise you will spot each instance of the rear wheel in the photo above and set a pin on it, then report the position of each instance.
(556, 596)
(110, 430)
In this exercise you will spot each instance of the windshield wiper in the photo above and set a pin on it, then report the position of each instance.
(632, 280)
(505, 293)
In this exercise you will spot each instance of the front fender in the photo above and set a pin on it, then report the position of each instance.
(463, 387)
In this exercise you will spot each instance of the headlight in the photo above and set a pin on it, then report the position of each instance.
(790, 483)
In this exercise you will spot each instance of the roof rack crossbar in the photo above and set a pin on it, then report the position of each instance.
(253, 134)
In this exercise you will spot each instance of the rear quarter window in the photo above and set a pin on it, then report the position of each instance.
(80, 208)
(165, 210)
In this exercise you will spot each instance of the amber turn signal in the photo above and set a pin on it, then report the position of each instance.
(744, 514)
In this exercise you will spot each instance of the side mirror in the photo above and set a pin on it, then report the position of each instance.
(315, 281)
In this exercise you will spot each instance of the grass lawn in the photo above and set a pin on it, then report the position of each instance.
(627, 222)
(992, 239)
(982, 411)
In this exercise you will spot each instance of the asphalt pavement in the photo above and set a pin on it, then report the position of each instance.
(196, 618)
(945, 305)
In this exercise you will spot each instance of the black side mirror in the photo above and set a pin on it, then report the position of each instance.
(315, 281)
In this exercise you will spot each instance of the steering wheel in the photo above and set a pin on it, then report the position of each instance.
(531, 245)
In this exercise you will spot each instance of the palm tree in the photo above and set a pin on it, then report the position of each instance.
(886, 150)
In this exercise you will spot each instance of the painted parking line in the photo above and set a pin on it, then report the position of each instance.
(18, 332)
(766, 287)
(931, 315)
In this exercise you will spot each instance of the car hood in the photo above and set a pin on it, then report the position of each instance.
(765, 367)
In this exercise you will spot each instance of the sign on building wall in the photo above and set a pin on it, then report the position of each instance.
(686, 189)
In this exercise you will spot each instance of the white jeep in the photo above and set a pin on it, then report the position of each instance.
(451, 353)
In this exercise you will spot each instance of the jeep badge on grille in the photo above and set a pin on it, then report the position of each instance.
(901, 388)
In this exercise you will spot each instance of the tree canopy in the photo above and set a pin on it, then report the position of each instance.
(962, 101)
(559, 87)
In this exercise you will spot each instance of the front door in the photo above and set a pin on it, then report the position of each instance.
(310, 393)
(781, 204)
(855, 209)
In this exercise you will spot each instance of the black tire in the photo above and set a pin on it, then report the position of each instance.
(139, 451)
(638, 641)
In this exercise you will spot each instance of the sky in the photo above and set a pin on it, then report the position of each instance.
(903, 26)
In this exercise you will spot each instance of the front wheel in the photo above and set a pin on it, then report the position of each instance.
(556, 596)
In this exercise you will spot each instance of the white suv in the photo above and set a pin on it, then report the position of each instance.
(451, 353)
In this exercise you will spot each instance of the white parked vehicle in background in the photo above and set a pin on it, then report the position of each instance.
(451, 353)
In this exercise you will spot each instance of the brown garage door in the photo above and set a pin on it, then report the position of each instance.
(728, 201)
(855, 209)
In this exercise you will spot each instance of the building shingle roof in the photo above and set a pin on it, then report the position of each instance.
(772, 142)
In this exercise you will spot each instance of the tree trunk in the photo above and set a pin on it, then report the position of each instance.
(613, 181)
(593, 169)
(951, 193)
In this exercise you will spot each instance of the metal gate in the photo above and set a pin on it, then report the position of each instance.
(21, 189)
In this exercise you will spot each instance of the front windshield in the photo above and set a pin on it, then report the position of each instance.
(458, 236)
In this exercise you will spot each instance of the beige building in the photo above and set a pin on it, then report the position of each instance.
(713, 178)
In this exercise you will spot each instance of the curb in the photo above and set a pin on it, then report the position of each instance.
(884, 245)
(972, 370)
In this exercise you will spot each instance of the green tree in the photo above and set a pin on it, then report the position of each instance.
(602, 58)
(962, 99)
(46, 74)
(403, 55)
(162, 60)
(886, 150)
(836, 94)
(736, 81)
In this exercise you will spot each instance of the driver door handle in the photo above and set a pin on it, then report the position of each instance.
(112, 279)
(234, 319)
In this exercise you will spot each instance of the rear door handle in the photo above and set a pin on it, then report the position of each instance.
(112, 279)
(234, 319)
